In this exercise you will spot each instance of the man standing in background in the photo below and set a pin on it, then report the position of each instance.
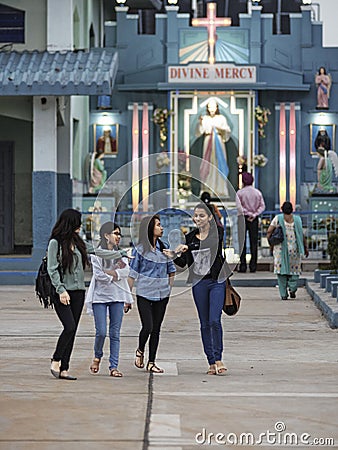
(250, 201)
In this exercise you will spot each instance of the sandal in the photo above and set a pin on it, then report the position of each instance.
(152, 367)
(212, 369)
(116, 373)
(220, 368)
(95, 366)
(139, 360)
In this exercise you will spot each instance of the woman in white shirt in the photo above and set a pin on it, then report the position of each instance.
(108, 292)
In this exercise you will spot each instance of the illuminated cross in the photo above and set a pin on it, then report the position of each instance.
(211, 22)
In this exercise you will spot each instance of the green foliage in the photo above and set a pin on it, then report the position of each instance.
(332, 249)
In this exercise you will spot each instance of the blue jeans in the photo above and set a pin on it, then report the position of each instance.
(209, 299)
(115, 321)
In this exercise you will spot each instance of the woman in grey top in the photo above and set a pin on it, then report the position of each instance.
(67, 259)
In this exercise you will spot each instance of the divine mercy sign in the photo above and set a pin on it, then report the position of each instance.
(211, 22)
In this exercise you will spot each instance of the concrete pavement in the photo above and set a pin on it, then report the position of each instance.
(282, 360)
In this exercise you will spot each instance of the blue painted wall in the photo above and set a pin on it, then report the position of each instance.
(286, 67)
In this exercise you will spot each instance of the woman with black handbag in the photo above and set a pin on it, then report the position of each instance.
(203, 253)
(287, 254)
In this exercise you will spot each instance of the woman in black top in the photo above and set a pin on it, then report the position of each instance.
(203, 253)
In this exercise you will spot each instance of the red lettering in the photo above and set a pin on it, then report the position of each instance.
(250, 72)
(205, 73)
(219, 73)
(198, 72)
(173, 72)
(235, 73)
(227, 72)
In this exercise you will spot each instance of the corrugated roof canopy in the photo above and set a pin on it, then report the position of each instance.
(58, 73)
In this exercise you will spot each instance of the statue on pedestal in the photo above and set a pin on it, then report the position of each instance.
(327, 162)
(98, 174)
(216, 131)
(323, 83)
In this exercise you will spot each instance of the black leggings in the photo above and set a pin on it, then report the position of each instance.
(151, 315)
(69, 316)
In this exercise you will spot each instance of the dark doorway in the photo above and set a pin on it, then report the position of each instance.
(6, 197)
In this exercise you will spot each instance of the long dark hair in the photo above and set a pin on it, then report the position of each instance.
(64, 232)
(208, 208)
(146, 233)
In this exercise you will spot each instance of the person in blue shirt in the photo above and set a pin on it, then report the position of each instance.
(153, 272)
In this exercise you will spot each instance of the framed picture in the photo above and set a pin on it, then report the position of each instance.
(106, 138)
(326, 132)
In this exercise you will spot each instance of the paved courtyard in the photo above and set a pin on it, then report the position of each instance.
(281, 385)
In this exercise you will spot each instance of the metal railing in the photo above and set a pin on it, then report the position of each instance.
(317, 226)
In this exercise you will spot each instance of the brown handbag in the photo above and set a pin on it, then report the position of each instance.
(232, 300)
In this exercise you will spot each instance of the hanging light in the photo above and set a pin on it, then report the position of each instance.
(172, 2)
(307, 2)
(121, 2)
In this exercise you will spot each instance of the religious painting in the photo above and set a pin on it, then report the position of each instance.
(212, 129)
(213, 41)
(232, 45)
(106, 139)
(322, 135)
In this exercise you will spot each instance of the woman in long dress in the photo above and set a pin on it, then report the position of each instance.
(216, 130)
(323, 83)
(287, 255)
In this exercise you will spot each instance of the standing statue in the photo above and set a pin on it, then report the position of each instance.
(328, 160)
(216, 131)
(98, 175)
(323, 83)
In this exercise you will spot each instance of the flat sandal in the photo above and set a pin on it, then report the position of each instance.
(95, 366)
(152, 367)
(139, 359)
(115, 373)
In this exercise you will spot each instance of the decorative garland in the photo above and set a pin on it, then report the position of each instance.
(261, 115)
(160, 118)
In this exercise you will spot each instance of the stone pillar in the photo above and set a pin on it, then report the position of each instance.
(306, 25)
(64, 154)
(172, 34)
(256, 35)
(59, 25)
(44, 192)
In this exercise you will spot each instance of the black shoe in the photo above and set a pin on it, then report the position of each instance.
(252, 270)
(55, 373)
(66, 377)
(242, 270)
(284, 298)
(292, 294)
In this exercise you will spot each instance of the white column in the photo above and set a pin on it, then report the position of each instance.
(44, 134)
(44, 177)
(59, 25)
(64, 136)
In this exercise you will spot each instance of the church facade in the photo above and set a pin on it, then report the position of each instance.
(155, 107)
